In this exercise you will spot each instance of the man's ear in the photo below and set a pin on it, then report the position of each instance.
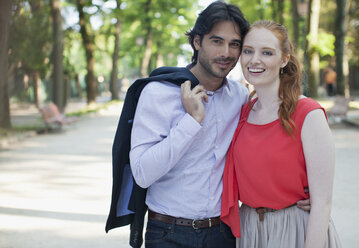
(197, 42)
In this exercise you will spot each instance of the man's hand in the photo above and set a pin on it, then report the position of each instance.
(192, 100)
(304, 204)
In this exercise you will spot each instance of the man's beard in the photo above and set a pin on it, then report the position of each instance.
(223, 72)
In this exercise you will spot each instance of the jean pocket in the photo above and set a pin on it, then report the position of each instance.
(155, 233)
(227, 234)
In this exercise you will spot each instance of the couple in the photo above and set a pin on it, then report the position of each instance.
(180, 137)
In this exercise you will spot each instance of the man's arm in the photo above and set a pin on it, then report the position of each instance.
(161, 134)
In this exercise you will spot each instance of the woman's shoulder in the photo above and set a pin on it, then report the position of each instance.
(305, 105)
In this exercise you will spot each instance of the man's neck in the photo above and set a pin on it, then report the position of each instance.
(208, 81)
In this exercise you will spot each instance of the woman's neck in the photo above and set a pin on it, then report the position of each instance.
(267, 98)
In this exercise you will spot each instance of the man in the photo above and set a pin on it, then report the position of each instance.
(178, 150)
(179, 141)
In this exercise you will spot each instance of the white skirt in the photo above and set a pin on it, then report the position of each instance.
(285, 228)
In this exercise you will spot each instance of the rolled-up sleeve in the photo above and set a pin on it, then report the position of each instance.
(161, 134)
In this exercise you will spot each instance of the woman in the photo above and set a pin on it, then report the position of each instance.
(281, 147)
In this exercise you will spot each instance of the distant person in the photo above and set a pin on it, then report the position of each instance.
(282, 146)
(330, 78)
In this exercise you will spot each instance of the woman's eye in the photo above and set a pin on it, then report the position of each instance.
(247, 51)
(269, 53)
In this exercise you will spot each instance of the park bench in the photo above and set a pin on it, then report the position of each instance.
(53, 118)
(339, 110)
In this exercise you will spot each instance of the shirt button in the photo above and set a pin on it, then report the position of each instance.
(219, 120)
(217, 147)
(211, 198)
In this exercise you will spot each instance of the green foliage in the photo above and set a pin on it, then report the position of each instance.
(30, 37)
(325, 43)
(74, 54)
(169, 21)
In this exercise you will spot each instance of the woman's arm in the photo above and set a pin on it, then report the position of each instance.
(319, 156)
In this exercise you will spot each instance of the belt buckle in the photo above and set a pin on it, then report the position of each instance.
(194, 224)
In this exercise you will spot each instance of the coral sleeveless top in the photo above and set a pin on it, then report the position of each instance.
(265, 166)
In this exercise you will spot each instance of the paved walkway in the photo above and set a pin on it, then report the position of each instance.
(55, 188)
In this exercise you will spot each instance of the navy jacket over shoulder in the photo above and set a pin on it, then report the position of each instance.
(128, 199)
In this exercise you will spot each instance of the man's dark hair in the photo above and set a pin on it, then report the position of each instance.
(216, 12)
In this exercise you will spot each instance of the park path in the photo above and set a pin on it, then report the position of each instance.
(55, 188)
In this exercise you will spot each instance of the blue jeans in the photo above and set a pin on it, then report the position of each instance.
(163, 235)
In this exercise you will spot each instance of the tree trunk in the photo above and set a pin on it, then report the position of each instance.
(78, 86)
(295, 22)
(114, 86)
(261, 10)
(88, 42)
(274, 10)
(57, 52)
(5, 14)
(281, 11)
(340, 31)
(148, 50)
(159, 60)
(313, 58)
(36, 86)
(147, 56)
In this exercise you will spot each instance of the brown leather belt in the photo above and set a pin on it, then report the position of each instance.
(261, 211)
(196, 224)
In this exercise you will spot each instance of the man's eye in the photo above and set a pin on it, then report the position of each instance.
(217, 41)
(235, 44)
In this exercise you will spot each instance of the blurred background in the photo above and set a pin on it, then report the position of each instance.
(58, 50)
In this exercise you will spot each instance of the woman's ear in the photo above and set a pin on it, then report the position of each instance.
(285, 61)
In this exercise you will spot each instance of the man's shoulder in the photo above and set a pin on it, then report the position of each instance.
(160, 91)
(237, 85)
(161, 87)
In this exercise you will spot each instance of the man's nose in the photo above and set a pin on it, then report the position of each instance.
(225, 51)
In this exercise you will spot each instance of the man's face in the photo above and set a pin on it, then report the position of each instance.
(220, 49)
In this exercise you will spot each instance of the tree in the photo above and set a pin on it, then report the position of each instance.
(58, 90)
(295, 21)
(30, 43)
(340, 31)
(5, 13)
(114, 78)
(148, 40)
(312, 39)
(88, 42)
(278, 11)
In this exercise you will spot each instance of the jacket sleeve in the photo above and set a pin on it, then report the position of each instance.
(161, 134)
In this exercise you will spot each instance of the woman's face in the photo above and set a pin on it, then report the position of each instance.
(261, 57)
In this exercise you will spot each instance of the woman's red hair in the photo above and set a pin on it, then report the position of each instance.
(290, 76)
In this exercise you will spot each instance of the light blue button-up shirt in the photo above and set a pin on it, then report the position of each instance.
(179, 160)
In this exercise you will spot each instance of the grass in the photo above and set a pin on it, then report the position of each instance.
(39, 125)
(93, 108)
